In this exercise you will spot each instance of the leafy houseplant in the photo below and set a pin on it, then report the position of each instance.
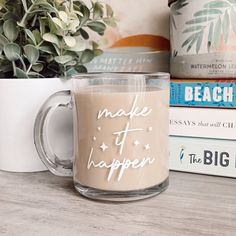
(49, 38)
(41, 39)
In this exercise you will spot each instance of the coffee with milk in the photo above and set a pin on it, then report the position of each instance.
(120, 139)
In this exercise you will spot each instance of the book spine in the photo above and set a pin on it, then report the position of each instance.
(203, 94)
(204, 156)
(203, 122)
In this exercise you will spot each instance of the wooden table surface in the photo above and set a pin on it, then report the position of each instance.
(43, 204)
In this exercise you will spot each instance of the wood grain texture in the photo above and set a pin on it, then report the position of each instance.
(43, 204)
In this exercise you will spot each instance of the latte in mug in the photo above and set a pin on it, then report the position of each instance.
(121, 142)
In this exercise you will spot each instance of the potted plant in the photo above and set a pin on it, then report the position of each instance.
(40, 42)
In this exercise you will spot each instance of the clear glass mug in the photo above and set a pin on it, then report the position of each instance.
(120, 135)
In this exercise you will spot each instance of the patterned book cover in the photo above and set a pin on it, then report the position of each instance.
(204, 156)
(203, 38)
(203, 94)
(140, 40)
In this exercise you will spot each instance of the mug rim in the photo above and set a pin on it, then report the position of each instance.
(121, 75)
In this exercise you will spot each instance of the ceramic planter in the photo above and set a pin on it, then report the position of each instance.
(20, 100)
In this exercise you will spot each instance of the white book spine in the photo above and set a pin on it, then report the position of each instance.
(204, 156)
(203, 122)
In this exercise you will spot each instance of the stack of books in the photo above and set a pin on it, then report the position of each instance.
(203, 126)
(203, 88)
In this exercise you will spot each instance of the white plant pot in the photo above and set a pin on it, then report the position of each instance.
(20, 101)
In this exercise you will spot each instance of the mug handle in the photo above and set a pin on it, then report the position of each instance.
(56, 165)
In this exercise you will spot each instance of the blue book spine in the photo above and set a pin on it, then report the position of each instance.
(203, 94)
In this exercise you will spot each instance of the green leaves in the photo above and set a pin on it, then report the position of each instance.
(50, 38)
(97, 11)
(190, 41)
(10, 30)
(199, 41)
(63, 59)
(2, 4)
(97, 26)
(79, 46)
(215, 19)
(87, 56)
(3, 41)
(20, 73)
(226, 26)
(207, 12)
(38, 67)
(194, 28)
(110, 21)
(217, 4)
(58, 23)
(109, 10)
(86, 14)
(84, 34)
(45, 6)
(47, 49)
(70, 41)
(210, 37)
(199, 20)
(63, 16)
(217, 32)
(12, 51)
(31, 53)
(31, 36)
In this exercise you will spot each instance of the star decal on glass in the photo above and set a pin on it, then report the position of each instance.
(136, 142)
(147, 146)
(103, 147)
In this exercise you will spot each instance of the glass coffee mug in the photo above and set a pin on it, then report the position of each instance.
(120, 135)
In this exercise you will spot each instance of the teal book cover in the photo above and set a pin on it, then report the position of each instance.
(203, 94)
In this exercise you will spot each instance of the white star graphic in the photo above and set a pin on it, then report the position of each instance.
(147, 146)
(99, 128)
(103, 147)
(150, 129)
(136, 143)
